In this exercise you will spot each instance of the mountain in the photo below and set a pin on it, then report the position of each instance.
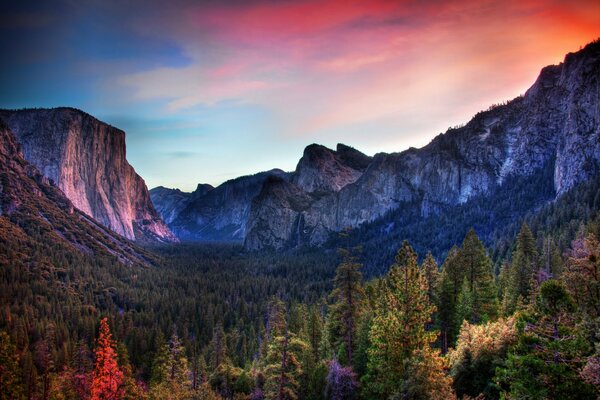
(37, 220)
(555, 126)
(207, 214)
(222, 213)
(86, 159)
(170, 202)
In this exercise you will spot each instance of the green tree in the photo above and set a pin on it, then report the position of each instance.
(522, 270)
(477, 266)
(551, 351)
(171, 375)
(582, 274)
(431, 271)
(449, 286)
(398, 333)
(282, 368)
(480, 349)
(345, 311)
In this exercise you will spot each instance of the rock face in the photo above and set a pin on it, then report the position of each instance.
(219, 214)
(170, 202)
(86, 160)
(556, 122)
(36, 214)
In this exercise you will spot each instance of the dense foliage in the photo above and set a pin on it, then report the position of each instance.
(209, 322)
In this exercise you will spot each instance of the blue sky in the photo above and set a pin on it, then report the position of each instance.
(207, 91)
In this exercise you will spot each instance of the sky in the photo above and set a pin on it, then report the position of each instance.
(211, 90)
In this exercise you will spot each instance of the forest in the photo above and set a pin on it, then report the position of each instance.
(508, 315)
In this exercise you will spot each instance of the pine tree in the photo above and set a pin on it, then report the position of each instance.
(10, 371)
(398, 329)
(477, 266)
(345, 312)
(431, 271)
(523, 268)
(83, 365)
(282, 369)
(551, 352)
(314, 332)
(464, 306)
(108, 377)
(218, 348)
(171, 373)
(449, 286)
(582, 274)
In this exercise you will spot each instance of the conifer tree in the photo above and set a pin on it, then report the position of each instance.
(108, 377)
(83, 365)
(218, 348)
(551, 352)
(171, 374)
(523, 268)
(582, 275)
(449, 285)
(282, 369)
(398, 329)
(345, 312)
(477, 267)
(314, 332)
(10, 371)
(431, 271)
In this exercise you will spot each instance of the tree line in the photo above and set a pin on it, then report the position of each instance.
(462, 329)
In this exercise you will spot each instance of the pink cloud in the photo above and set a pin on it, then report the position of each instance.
(319, 66)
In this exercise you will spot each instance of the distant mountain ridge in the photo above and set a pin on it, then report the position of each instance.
(555, 124)
(86, 159)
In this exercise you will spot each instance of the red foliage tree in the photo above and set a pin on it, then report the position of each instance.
(108, 377)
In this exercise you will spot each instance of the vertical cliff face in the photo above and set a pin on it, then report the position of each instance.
(36, 214)
(556, 123)
(86, 159)
(323, 170)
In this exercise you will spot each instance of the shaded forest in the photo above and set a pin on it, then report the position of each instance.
(515, 319)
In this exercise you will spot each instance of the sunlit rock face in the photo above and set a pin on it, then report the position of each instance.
(556, 123)
(86, 159)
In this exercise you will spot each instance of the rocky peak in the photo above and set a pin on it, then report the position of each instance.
(201, 190)
(86, 159)
(323, 169)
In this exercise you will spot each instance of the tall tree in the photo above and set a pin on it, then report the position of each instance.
(171, 373)
(582, 274)
(283, 369)
(477, 266)
(522, 270)
(107, 377)
(345, 311)
(449, 286)
(398, 331)
(432, 273)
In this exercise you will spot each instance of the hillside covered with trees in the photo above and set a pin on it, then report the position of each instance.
(211, 322)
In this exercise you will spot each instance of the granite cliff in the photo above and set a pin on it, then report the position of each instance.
(556, 123)
(35, 214)
(85, 158)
